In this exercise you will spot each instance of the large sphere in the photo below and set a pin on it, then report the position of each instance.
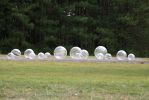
(100, 56)
(27, 52)
(47, 55)
(100, 49)
(75, 53)
(84, 54)
(41, 56)
(11, 56)
(32, 56)
(16, 52)
(121, 55)
(60, 52)
(131, 57)
(108, 56)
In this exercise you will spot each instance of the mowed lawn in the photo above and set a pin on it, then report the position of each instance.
(43, 80)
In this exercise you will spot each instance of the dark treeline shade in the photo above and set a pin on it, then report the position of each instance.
(44, 24)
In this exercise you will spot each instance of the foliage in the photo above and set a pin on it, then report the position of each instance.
(45, 24)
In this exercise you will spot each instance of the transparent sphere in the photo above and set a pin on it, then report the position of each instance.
(84, 54)
(131, 57)
(100, 56)
(108, 56)
(11, 56)
(75, 53)
(16, 52)
(27, 53)
(121, 55)
(47, 55)
(32, 56)
(100, 49)
(60, 52)
(41, 56)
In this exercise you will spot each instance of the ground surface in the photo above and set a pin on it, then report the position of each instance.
(52, 80)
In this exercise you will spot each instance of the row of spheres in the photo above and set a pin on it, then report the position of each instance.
(60, 52)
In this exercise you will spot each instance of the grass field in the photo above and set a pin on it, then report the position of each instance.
(43, 80)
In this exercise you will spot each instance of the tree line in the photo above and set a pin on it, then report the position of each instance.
(44, 24)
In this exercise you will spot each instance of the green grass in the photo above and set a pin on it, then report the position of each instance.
(42, 80)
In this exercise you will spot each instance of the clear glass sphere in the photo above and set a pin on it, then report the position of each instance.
(47, 55)
(121, 55)
(100, 49)
(60, 52)
(108, 56)
(84, 54)
(32, 56)
(131, 57)
(100, 56)
(11, 56)
(75, 53)
(27, 53)
(41, 56)
(16, 52)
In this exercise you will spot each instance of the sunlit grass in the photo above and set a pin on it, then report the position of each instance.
(43, 80)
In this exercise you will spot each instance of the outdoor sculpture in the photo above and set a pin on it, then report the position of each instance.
(76, 53)
(60, 52)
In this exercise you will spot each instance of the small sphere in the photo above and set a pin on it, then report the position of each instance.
(32, 56)
(41, 56)
(100, 49)
(16, 52)
(75, 53)
(84, 54)
(47, 55)
(11, 56)
(27, 53)
(131, 57)
(100, 56)
(60, 52)
(108, 56)
(121, 55)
